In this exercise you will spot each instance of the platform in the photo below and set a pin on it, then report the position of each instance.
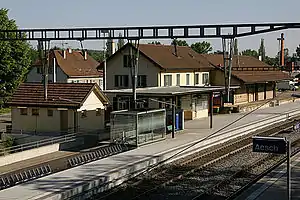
(273, 186)
(114, 170)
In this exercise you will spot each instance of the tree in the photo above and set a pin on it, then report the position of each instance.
(262, 50)
(235, 48)
(179, 42)
(96, 54)
(298, 51)
(121, 42)
(155, 42)
(202, 47)
(250, 52)
(15, 59)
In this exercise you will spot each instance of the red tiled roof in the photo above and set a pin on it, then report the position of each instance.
(59, 94)
(249, 69)
(164, 56)
(75, 66)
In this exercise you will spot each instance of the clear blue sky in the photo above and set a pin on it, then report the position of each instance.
(99, 13)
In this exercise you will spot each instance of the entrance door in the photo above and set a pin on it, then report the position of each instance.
(64, 120)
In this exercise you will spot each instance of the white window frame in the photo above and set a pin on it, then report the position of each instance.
(203, 78)
(178, 79)
(187, 79)
(169, 83)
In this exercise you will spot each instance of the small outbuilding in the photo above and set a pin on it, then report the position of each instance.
(67, 108)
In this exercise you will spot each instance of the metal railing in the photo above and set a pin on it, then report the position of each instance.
(36, 144)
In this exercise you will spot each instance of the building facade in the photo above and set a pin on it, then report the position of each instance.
(68, 66)
(256, 79)
(159, 66)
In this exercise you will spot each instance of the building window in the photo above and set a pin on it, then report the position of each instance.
(83, 114)
(23, 111)
(39, 70)
(98, 112)
(141, 81)
(126, 61)
(196, 79)
(121, 81)
(167, 80)
(50, 113)
(188, 79)
(178, 79)
(35, 111)
(205, 79)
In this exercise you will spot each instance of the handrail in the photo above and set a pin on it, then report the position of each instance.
(31, 145)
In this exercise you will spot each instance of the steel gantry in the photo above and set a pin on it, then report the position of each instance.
(228, 32)
(146, 32)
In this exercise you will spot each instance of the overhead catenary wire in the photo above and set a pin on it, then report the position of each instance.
(193, 144)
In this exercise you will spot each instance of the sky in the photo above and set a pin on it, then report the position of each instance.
(99, 13)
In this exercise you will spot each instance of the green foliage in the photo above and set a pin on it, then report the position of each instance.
(8, 142)
(4, 110)
(96, 54)
(298, 51)
(250, 52)
(271, 61)
(202, 47)
(155, 42)
(235, 48)
(15, 59)
(179, 42)
(262, 50)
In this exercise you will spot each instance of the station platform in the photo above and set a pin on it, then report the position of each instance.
(273, 186)
(108, 172)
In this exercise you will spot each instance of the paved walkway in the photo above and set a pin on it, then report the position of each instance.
(273, 186)
(120, 163)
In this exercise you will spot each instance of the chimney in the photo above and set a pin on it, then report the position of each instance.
(110, 47)
(281, 56)
(175, 48)
(260, 58)
(65, 54)
(85, 55)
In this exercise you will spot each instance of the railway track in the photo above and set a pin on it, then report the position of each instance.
(178, 180)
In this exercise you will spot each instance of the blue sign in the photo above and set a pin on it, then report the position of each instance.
(269, 145)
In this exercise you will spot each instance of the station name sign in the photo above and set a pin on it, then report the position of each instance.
(269, 145)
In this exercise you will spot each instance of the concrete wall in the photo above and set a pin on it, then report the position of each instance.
(91, 121)
(115, 67)
(24, 155)
(28, 122)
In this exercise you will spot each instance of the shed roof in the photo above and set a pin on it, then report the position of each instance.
(249, 69)
(59, 95)
(170, 91)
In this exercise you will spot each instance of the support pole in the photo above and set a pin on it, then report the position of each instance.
(211, 107)
(288, 175)
(173, 116)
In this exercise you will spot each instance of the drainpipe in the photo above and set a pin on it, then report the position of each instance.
(54, 70)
